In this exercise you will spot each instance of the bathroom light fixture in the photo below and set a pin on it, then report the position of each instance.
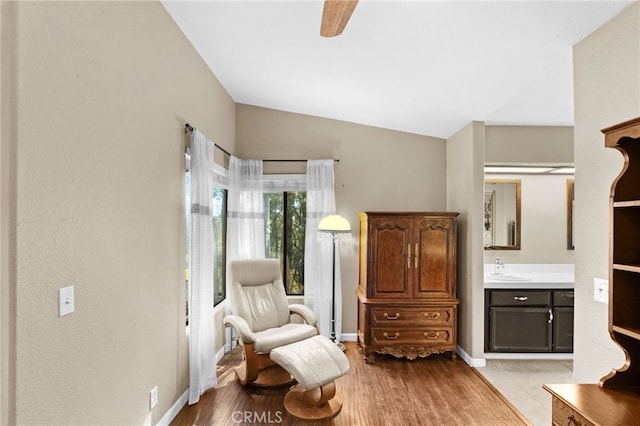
(528, 169)
(516, 169)
(334, 224)
(563, 171)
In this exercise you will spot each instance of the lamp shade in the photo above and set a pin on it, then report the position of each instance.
(334, 223)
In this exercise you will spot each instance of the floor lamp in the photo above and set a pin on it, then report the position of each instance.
(334, 224)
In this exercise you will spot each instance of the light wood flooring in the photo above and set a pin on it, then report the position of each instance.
(425, 391)
(521, 380)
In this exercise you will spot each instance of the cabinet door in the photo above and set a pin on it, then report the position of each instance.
(519, 329)
(563, 329)
(390, 243)
(433, 266)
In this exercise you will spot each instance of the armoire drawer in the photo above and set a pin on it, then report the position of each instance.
(390, 316)
(400, 336)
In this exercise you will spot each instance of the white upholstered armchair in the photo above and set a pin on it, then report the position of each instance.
(262, 319)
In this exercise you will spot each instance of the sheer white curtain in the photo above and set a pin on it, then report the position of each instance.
(202, 359)
(245, 210)
(321, 201)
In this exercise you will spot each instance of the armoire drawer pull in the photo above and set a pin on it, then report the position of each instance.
(395, 317)
(432, 334)
(520, 298)
(571, 420)
(432, 315)
(391, 337)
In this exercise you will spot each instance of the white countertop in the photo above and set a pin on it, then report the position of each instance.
(530, 276)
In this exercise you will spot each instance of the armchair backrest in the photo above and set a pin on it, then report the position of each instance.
(257, 293)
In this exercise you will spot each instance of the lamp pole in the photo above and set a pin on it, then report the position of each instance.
(333, 292)
(334, 225)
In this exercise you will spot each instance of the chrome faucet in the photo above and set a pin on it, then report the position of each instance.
(499, 266)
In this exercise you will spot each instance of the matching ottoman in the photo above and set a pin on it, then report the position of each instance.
(315, 363)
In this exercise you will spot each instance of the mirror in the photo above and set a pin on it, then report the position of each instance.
(502, 214)
(571, 205)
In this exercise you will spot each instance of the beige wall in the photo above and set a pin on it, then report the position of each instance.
(465, 194)
(379, 169)
(7, 213)
(102, 92)
(529, 144)
(607, 91)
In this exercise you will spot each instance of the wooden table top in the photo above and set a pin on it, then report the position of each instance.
(601, 406)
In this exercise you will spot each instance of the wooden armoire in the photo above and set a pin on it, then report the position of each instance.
(407, 304)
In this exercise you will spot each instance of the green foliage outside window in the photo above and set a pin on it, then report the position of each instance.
(219, 223)
(285, 221)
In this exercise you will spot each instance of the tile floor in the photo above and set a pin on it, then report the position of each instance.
(520, 381)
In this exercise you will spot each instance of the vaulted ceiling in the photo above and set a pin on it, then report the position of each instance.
(425, 67)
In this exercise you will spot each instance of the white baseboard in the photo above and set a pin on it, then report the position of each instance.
(174, 410)
(349, 337)
(183, 399)
(473, 362)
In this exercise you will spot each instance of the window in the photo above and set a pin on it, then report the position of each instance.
(285, 221)
(219, 227)
(187, 216)
(219, 219)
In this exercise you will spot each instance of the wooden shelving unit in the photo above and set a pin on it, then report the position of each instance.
(624, 255)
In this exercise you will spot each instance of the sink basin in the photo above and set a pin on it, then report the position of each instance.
(507, 277)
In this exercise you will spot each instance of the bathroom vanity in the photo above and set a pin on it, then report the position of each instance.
(529, 309)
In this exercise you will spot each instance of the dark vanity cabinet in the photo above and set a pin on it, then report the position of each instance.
(563, 321)
(539, 320)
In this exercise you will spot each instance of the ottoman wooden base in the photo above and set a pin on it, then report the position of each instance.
(299, 405)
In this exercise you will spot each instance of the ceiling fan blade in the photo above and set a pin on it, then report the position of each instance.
(335, 15)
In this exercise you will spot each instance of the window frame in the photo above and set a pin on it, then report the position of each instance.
(284, 236)
(221, 179)
(224, 255)
(280, 183)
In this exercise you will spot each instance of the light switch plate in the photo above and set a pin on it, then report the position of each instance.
(153, 397)
(66, 302)
(601, 290)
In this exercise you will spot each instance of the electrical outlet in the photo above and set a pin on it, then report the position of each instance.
(153, 398)
(601, 290)
(66, 302)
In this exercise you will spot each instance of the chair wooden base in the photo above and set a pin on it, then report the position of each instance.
(314, 405)
(272, 376)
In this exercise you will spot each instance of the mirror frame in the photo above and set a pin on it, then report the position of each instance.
(570, 207)
(517, 245)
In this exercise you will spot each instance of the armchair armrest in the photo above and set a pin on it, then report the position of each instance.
(242, 328)
(305, 312)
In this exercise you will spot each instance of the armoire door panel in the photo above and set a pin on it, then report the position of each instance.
(390, 256)
(434, 265)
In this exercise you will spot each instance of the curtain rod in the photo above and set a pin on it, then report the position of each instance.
(290, 161)
(189, 129)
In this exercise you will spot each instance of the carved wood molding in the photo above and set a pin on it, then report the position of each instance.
(412, 352)
(435, 223)
(389, 224)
